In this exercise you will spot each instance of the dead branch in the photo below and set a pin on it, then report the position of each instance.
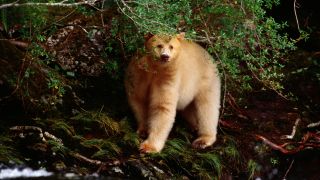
(23, 129)
(234, 106)
(294, 129)
(229, 125)
(83, 158)
(63, 3)
(50, 136)
(42, 135)
(309, 140)
(272, 145)
(312, 125)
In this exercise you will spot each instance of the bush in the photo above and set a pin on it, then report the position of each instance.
(245, 42)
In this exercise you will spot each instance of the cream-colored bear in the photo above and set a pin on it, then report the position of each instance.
(174, 74)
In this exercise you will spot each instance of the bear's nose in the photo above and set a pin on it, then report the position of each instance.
(165, 57)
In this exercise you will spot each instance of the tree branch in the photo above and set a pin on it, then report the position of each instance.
(309, 140)
(59, 4)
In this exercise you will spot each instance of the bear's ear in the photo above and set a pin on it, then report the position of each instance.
(148, 36)
(181, 36)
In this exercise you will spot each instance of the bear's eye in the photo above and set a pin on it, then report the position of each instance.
(159, 46)
(170, 47)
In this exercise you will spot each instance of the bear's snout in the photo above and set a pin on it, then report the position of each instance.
(164, 57)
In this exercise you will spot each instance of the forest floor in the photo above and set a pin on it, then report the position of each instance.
(287, 150)
(259, 133)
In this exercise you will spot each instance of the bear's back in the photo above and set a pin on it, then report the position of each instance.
(195, 59)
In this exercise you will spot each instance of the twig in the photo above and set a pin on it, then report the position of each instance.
(301, 145)
(83, 158)
(50, 136)
(295, 13)
(207, 36)
(229, 125)
(64, 17)
(241, 7)
(101, 14)
(265, 84)
(203, 39)
(294, 129)
(271, 144)
(285, 175)
(83, 29)
(133, 14)
(233, 104)
(312, 125)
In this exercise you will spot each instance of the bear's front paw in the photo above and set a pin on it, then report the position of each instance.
(147, 147)
(203, 142)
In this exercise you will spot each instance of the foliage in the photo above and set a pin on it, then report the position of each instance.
(208, 164)
(157, 16)
(29, 21)
(245, 42)
(28, 24)
(238, 34)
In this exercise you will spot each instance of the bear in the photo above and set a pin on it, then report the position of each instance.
(174, 74)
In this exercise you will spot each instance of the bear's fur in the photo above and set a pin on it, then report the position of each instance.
(174, 74)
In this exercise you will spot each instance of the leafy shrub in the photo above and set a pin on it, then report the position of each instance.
(246, 43)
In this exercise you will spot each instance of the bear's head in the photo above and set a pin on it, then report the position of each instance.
(164, 48)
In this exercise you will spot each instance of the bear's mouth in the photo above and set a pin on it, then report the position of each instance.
(164, 58)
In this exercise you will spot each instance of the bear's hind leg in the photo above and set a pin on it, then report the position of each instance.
(207, 104)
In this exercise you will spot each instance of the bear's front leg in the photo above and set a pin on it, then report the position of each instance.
(162, 112)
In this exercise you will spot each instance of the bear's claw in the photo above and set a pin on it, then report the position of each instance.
(147, 148)
(203, 142)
